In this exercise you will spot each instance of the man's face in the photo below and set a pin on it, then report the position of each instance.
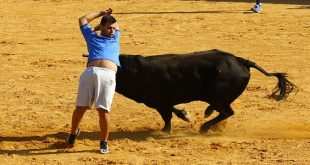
(107, 29)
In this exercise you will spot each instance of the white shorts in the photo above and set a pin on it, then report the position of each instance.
(97, 86)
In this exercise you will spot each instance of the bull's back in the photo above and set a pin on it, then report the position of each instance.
(180, 78)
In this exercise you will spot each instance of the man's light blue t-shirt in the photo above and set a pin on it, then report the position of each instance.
(101, 47)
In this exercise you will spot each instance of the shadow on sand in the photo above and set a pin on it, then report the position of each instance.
(291, 2)
(296, 2)
(60, 146)
(301, 7)
(185, 12)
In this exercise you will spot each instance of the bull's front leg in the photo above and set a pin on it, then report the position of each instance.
(166, 114)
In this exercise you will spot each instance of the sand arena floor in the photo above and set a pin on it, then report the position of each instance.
(40, 58)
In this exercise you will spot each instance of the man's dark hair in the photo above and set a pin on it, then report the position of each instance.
(107, 19)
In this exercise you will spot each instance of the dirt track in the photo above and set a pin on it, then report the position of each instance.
(40, 56)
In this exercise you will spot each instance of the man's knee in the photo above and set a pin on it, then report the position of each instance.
(102, 110)
(81, 108)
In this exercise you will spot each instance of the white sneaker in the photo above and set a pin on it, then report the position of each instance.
(257, 8)
(104, 148)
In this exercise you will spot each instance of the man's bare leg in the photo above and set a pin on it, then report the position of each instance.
(104, 124)
(76, 118)
(104, 130)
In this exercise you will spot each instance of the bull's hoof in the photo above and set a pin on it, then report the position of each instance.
(208, 112)
(166, 130)
(186, 117)
(183, 115)
(204, 129)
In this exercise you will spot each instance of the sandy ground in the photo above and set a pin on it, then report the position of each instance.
(40, 56)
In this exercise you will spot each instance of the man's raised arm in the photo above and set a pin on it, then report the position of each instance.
(91, 16)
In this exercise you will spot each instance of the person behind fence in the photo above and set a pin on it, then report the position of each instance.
(97, 82)
(257, 8)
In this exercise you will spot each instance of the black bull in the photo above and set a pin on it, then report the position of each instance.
(213, 76)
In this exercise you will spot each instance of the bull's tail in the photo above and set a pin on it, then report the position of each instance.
(284, 86)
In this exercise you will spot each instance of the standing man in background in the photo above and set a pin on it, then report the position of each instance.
(97, 82)
(257, 8)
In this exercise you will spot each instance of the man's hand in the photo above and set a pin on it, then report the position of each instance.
(91, 16)
(106, 12)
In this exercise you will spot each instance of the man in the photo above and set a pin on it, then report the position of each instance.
(97, 82)
(257, 8)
